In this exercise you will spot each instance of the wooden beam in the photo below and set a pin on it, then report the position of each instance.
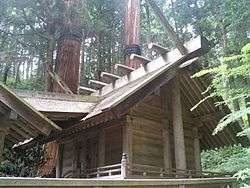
(87, 89)
(124, 69)
(102, 147)
(127, 141)
(142, 59)
(158, 48)
(168, 28)
(179, 142)
(197, 150)
(109, 77)
(59, 160)
(166, 149)
(97, 84)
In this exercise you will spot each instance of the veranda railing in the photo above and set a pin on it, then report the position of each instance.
(127, 170)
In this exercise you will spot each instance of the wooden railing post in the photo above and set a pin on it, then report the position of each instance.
(124, 165)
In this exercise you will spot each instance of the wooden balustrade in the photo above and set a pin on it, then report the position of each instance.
(104, 171)
(126, 170)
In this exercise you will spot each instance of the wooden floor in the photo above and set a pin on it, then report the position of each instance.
(137, 183)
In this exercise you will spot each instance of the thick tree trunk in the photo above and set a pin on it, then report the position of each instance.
(68, 63)
(131, 31)
(67, 67)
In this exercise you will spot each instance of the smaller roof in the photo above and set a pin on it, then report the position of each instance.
(59, 106)
(23, 121)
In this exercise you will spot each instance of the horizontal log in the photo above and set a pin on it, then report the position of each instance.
(158, 48)
(109, 77)
(142, 59)
(87, 89)
(123, 68)
(97, 84)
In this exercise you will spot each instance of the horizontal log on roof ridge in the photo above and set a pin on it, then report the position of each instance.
(158, 69)
(156, 64)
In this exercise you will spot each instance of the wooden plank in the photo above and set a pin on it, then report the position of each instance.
(168, 28)
(87, 89)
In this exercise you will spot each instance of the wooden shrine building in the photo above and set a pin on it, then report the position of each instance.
(136, 124)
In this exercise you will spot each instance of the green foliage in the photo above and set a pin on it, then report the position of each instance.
(21, 163)
(231, 81)
(233, 159)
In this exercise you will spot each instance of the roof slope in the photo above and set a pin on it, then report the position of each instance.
(23, 121)
(151, 76)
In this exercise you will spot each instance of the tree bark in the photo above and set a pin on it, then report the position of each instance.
(131, 31)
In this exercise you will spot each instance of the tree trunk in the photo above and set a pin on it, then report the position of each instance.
(67, 67)
(6, 72)
(131, 32)
(49, 62)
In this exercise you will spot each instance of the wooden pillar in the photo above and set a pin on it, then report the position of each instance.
(76, 167)
(127, 139)
(166, 150)
(131, 31)
(101, 148)
(179, 143)
(3, 133)
(59, 161)
(197, 151)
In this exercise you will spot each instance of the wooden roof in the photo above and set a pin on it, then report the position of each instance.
(23, 121)
(59, 106)
(116, 98)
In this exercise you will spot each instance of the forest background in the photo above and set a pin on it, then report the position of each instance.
(29, 30)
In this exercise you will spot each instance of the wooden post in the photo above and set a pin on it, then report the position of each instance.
(197, 151)
(166, 150)
(59, 161)
(127, 142)
(3, 133)
(124, 166)
(132, 28)
(102, 145)
(179, 143)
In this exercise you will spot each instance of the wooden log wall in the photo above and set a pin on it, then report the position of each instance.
(151, 120)
(113, 144)
(94, 148)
